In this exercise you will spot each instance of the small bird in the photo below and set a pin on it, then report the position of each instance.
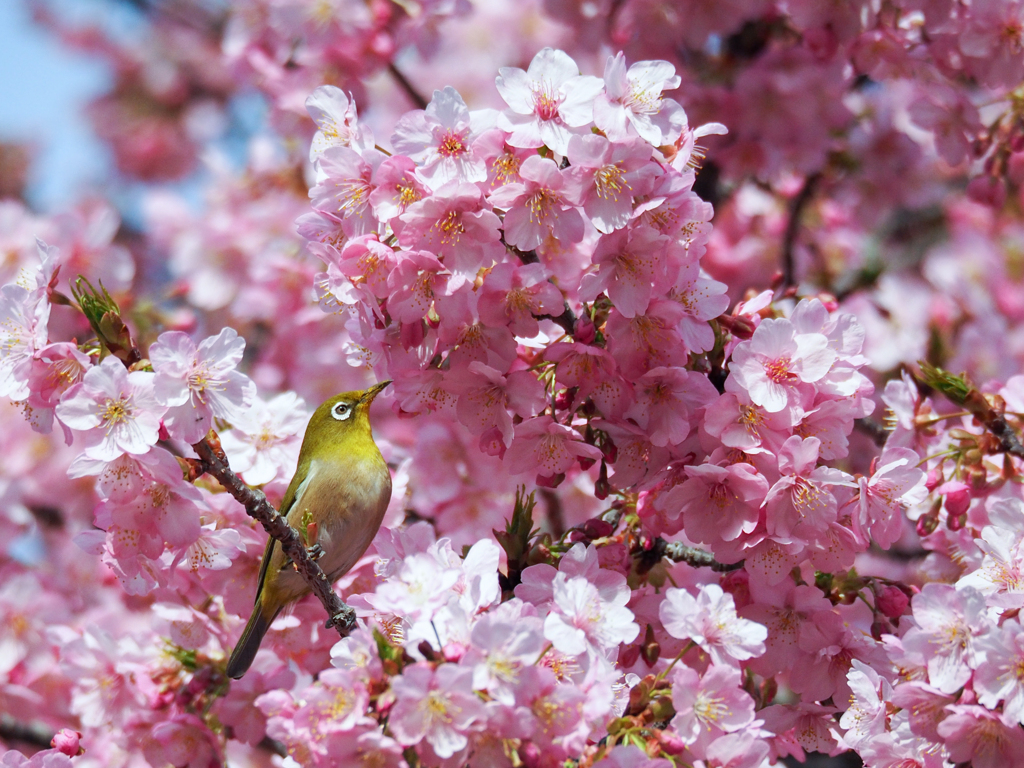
(336, 499)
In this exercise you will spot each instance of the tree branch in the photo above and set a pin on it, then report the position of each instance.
(680, 553)
(872, 429)
(796, 210)
(256, 505)
(410, 90)
(33, 734)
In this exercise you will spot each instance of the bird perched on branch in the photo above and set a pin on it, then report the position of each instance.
(336, 500)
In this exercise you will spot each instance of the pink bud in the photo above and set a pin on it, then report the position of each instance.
(933, 480)
(68, 742)
(575, 536)
(453, 652)
(891, 601)
(957, 497)
(740, 327)
(547, 481)
(671, 744)
(585, 332)
(529, 753)
(1015, 168)
(563, 399)
(987, 190)
(628, 656)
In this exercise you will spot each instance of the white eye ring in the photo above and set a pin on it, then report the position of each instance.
(341, 411)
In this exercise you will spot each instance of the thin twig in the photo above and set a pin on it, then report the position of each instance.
(256, 505)
(556, 515)
(1008, 439)
(410, 90)
(796, 210)
(872, 429)
(567, 320)
(33, 734)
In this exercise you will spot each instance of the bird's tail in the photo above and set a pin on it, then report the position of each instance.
(249, 642)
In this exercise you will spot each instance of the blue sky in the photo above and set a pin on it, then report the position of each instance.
(44, 87)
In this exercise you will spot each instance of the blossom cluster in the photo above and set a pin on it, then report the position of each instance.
(702, 579)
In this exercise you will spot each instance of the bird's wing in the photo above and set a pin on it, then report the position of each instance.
(295, 488)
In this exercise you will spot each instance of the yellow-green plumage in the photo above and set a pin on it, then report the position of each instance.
(343, 485)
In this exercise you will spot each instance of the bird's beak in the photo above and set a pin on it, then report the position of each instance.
(373, 391)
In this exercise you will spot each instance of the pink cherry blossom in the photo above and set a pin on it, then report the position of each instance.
(583, 619)
(440, 138)
(264, 442)
(717, 502)
(436, 705)
(539, 208)
(986, 738)
(116, 411)
(516, 294)
(454, 225)
(777, 363)
(345, 183)
(23, 318)
(947, 624)
(632, 99)
(334, 113)
(896, 481)
(543, 445)
(710, 621)
(485, 397)
(711, 704)
(867, 716)
(800, 504)
(199, 383)
(665, 401)
(547, 101)
(610, 176)
(630, 264)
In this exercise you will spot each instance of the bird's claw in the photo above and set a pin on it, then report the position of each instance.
(315, 552)
(346, 617)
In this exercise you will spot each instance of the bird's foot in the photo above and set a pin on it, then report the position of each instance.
(346, 618)
(315, 552)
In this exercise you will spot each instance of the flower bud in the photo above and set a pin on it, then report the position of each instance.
(671, 744)
(741, 327)
(68, 741)
(628, 656)
(596, 528)
(563, 400)
(891, 601)
(987, 190)
(548, 481)
(585, 332)
(651, 651)
(957, 497)
(453, 652)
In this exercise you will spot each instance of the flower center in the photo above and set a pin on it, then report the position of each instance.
(609, 182)
(451, 228)
(778, 370)
(116, 412)
(505, 168)
(452, 144)
(546, 103)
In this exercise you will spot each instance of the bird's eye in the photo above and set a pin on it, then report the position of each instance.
(341, 411)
